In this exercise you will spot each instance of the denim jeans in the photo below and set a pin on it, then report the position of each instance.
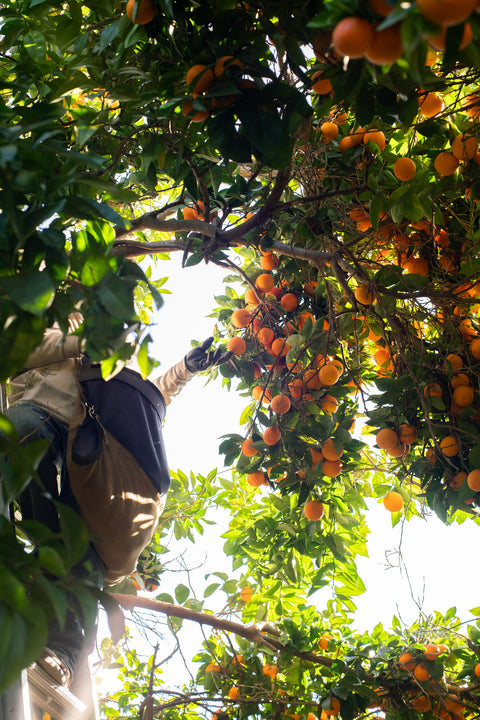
(32, 423)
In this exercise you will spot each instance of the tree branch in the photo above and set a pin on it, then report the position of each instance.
(252, 632)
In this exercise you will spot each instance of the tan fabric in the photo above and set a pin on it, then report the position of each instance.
(48, 379)
(118, 502)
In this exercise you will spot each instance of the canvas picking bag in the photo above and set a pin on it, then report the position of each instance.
(117, 464)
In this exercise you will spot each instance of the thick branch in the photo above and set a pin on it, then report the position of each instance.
(252, 632)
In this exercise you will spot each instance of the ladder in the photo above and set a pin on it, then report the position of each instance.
(34, 696)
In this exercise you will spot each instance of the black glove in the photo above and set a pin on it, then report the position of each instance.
(199, 360)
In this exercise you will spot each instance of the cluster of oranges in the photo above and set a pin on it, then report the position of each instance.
(203, 79)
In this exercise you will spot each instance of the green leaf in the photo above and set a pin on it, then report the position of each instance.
(31, 291)
(181, 593)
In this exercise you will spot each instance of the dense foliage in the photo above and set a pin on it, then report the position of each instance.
(325, 155)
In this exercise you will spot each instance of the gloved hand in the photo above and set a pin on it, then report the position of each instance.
(199, 360)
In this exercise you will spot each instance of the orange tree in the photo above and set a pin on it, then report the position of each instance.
(325, 155)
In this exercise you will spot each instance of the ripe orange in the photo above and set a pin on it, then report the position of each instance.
(240, 318)
(476, 670)
(352, 36)
(433, 390)
(261, 393)
(237, 345)
(439, 42)
(270, 670)
(329, 131)
(265, 282)
(247, 448)
(280, 404)
(279, 347)
(316, 454)
(212, 667)
(268, 261)
(199, 116)
(421, 673)
(246, 594)
(271, 436)
(289, 302)
(465, 147)
(432, 651)
(334, 707)
(473, 480)
(407, 434)
(445, 163)
(386, 438)
(329, 374)
(364, 295)
(377, 137)
(332, 468)
(257, 478)
(146, 11)
(314, 510)
(381, 7)
(387, 46)
(199, 78)
(457, 480)
(404, 169)
(323, 642)
(407, 661)
(421, 704)
(446, 12)
(463, 395)
(329, 404)
(321, 85)
(450, 446)
(330, 452)
(225, 62)
(416, 266)
(233, 693)
(393, 501)
(265, 336)
(474, 348)
(431, 105)
(453, 362)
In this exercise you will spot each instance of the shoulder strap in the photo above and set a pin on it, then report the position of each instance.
(130, 377)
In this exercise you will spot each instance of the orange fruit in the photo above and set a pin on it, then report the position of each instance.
(329, 404)
(450, 446)
(421, 673)
(432, 651)
(329, 374)
(314, 510)
(212, 667)
(271, 436)
(329, 451)
(332, 468)
(199, 116)
(352, 36)
(404, 169)
(453, 362)
(296, 388)
(145, 14)
(473, 480)
(393, 501)
(407, 434)
(445, 163)
(261, 393)
(321, 85)
(270, 670)
(329, 131)
(246, 594)
(279, 347)
(280, 404)
(247, 448)
(257, 478)
(289, 302)
(323, 642)
(225, 62)
(476, 670)
(240, 318)
(457, 480)
(439, 42)
(407, 661)
(463, 395)
(334, 707)
(377, 137)
(345, 143)
(364, 295)
(386, 47)
(421, 704)
(265, 336)
(237, 345)
(416, 266)
(199, 78)
(265, 282)
(431, 105)
(432, 390)
(464, 147)
(316, 454)
(386, 438)
(474, 348)
(446, 12)
(381, 7)
(268, 261)
(233, 693)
